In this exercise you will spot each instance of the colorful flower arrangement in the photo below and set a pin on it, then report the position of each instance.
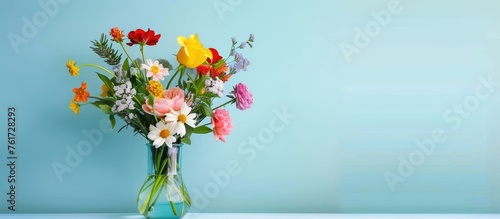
(165, 108)
(164, 113)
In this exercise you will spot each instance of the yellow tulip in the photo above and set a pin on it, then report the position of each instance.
(192, 53)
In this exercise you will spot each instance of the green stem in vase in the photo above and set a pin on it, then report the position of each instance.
(164, 183)
(149, 200)
(172, 204)
(144, 187)
(161, 185)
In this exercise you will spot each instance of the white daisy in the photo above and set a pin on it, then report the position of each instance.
(162, 133)
(181, 117)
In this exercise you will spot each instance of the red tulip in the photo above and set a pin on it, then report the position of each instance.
(215, 56)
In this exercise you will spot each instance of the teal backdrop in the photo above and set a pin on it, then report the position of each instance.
(364, 106)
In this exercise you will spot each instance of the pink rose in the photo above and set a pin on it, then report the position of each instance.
(222, 124)
(172, 99)
(176, 94)
(244, 98)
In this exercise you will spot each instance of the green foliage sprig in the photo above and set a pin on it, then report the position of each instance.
(106, 51)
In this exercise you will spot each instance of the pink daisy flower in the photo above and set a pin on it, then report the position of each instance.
(155, 70)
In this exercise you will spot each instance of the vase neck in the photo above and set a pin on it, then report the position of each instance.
(164, 160)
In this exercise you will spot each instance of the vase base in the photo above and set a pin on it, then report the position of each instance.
(164, 211)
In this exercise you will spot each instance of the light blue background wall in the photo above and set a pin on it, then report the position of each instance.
(353, 122)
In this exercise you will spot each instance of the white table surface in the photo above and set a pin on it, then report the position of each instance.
(258, 216)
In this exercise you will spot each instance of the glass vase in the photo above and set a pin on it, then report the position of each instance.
(163, 194)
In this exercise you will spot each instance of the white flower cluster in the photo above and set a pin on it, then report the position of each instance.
(125, 94)
(119, 72)
(134, 71)
(215, 86)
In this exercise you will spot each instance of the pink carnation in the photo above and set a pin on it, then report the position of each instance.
(222, 124)
(172, 99)
(244, 98)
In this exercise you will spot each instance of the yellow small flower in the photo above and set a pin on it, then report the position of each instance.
(74, 106)
(105, 90)
(155, 88)
(72, 69)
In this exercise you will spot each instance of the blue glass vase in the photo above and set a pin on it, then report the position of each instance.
(163, 194)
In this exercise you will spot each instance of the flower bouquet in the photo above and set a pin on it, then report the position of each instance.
(165, 108)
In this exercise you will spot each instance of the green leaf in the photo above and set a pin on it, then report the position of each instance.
(138, 61)
(218, 63)
(126, 65)
(96, 104)
(189, 131)
(107, 82)
(106, 109)
(112, 120)
(202, 130)
(151, 100)
(140, 98)
(123, 127)
(165, 63)
(184, 85)
(211, 95)
(186, 140)
(141, 88)
(200, 84)
(206, 110)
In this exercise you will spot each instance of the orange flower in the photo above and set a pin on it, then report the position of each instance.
(216, 71)
(226, 78)
(81, 94)
(105, 90)
(117, 34)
